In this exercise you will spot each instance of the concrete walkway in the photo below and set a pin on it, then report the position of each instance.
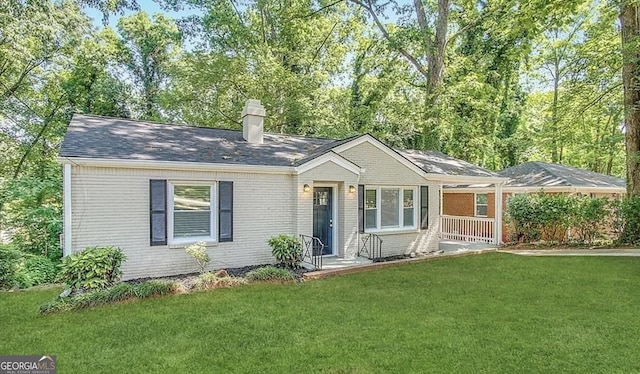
(631, 252)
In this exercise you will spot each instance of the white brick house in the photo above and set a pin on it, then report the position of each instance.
(152, 188)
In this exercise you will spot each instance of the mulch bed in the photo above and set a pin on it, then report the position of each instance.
(187, 280)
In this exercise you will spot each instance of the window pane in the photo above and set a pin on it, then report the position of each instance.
(390, 204)
(481, 210)
(482, 198)
(370, 218)
(370, 199)
(408, 199)
(187, 224)
(191, 198)
(408, 217)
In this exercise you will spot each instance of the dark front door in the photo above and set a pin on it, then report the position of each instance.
(323, 219)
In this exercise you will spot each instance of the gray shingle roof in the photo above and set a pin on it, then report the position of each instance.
(116, 138)
(440, 163)
(542, 174)
(122, 139)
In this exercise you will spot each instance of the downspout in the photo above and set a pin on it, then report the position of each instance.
(66, 207)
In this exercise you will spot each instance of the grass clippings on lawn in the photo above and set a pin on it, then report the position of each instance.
(491, 313)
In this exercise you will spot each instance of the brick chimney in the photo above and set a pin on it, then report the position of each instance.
(252, 121)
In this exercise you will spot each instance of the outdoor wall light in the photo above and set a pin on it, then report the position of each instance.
(352, 189)
(306, 188)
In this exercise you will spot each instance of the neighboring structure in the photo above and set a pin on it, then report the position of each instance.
(478, 200)
(151, 189)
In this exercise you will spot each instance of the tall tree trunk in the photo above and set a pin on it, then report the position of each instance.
(555, 142)
(435, 47)
(630, 25)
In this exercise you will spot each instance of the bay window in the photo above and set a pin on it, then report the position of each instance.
(389, 208)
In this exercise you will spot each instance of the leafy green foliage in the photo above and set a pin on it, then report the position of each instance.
(286, 249)
(198, 251)
(627, 213)
(93, 268)
(35, 270)
(33, 214)
(558, 217)
(152, 288)
(269, 273)
(9, 265)
(119, 292)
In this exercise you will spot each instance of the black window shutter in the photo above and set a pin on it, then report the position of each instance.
(424, 207)
(361, 207)
(158, 211)
(225, 211)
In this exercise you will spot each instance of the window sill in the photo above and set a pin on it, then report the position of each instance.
(185, 244)
(392, 231)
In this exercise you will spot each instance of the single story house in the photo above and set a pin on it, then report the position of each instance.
(153, 188)
(478, 200)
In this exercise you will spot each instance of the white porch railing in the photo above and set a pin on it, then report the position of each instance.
(467, 229)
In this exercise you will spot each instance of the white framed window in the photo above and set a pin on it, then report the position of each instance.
(192, 212)
(482, 204)
(390, 208)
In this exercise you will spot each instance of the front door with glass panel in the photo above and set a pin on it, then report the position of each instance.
(323, 219)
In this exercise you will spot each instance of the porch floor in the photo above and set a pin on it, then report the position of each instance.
(330, 263)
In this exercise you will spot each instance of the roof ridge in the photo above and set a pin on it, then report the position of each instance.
(200, 127)
(544, 166)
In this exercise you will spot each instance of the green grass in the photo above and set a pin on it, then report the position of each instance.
(490, 313)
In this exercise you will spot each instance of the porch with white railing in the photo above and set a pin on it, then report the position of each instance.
(467, 229)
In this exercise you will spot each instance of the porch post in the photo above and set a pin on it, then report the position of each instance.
(497, 221)
(440, 213)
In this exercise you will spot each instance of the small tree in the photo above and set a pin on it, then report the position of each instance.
(287, 249)
(198, 251)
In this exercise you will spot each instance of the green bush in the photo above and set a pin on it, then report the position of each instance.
(93, 268)
(286, 249)
(627, 213)
(589, 218)
(198, 251)
(269, 273)
(35, 270)
(119, 292)
(9, 266)
(153, 288)
(550, 217)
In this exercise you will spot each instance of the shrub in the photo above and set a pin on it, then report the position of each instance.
(35, 270)
(9, 265)
(589, 221)
(93, 268)
(627, 214)
(270, 273)
(551, 217)
(199, 253)
(153, 288)
(119, 292)
(286, 249)
(207, 281)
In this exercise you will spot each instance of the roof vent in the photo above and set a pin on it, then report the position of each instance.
(253, 121)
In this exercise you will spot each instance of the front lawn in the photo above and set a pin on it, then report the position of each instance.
(488, 313)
